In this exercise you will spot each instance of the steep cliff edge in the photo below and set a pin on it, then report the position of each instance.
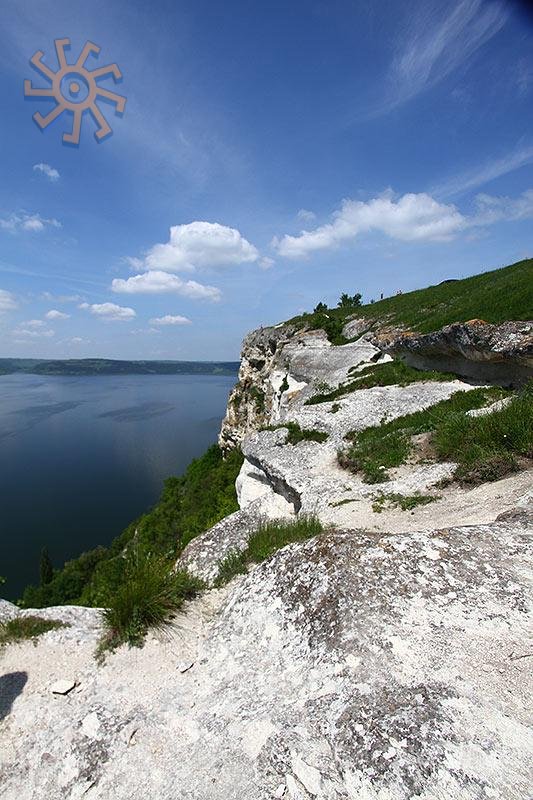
(385, 658)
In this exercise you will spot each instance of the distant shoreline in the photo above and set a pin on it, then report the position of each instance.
(108, 366)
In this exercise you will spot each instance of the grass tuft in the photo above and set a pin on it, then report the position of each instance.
(296, 434)
(150, 594)
(270, 537)
(21, 628)
(393, 373)
(376, 450)
(404, 501)
(488, 447)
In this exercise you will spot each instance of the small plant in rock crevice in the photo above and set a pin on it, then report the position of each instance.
(31, 627)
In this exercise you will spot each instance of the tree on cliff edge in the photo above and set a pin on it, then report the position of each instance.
(46, 569)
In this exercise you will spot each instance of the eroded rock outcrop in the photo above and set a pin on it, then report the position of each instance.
(496, 353)
(354, 666)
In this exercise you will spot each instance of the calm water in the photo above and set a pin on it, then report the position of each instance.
(81, 457)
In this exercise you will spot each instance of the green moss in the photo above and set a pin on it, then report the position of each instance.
(30, 627)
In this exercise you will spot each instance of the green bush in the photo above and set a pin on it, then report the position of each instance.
(150, 592)
(30, 627)
(270, 537)
(404, 501)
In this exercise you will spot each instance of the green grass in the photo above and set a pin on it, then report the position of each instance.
(150, 593)
(189, 505)
(295, 434)
(375, 450)
(268, 539)
(30, 627)
(495, 296)
(404, 501)
(393, 373)
(488, 447)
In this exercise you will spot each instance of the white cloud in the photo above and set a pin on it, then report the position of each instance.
(158, 282)
(110, 311)
(55, 314)
(438, 44)
(266, 262)
(198, 245)
(170, 319)
(76, 340)
(7, 301)
(495, 168)
(306, 216)
(27, 222)
(413, 217)
(51, 173)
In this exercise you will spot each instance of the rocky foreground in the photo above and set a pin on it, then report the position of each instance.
(386, 659)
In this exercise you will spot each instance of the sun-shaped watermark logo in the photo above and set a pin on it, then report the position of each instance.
(75, 89)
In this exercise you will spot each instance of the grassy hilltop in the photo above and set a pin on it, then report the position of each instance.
(496, 296)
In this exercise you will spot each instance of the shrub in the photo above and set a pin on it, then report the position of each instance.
(30, 627)
(150, 593)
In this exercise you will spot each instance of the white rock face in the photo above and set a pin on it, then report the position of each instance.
(354, 666)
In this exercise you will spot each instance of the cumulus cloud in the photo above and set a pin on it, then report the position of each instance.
(199, 245)
(170, 319)
(158, 282)
(27, 222)
(7, 301)
(51, 173)
(412, 217)
(55, 314)
(110, 311)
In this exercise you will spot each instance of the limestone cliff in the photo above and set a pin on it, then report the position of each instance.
(384, 659)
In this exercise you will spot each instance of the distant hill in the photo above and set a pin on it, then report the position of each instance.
(496, 296)
(106, 366)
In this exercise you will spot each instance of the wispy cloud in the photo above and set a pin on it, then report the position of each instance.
(436, 45)
(45, 169)
(480, 175)
(23, 221)
(7, 301)
(170, 319)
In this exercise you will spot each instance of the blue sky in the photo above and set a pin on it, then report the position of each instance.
(271, 155)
